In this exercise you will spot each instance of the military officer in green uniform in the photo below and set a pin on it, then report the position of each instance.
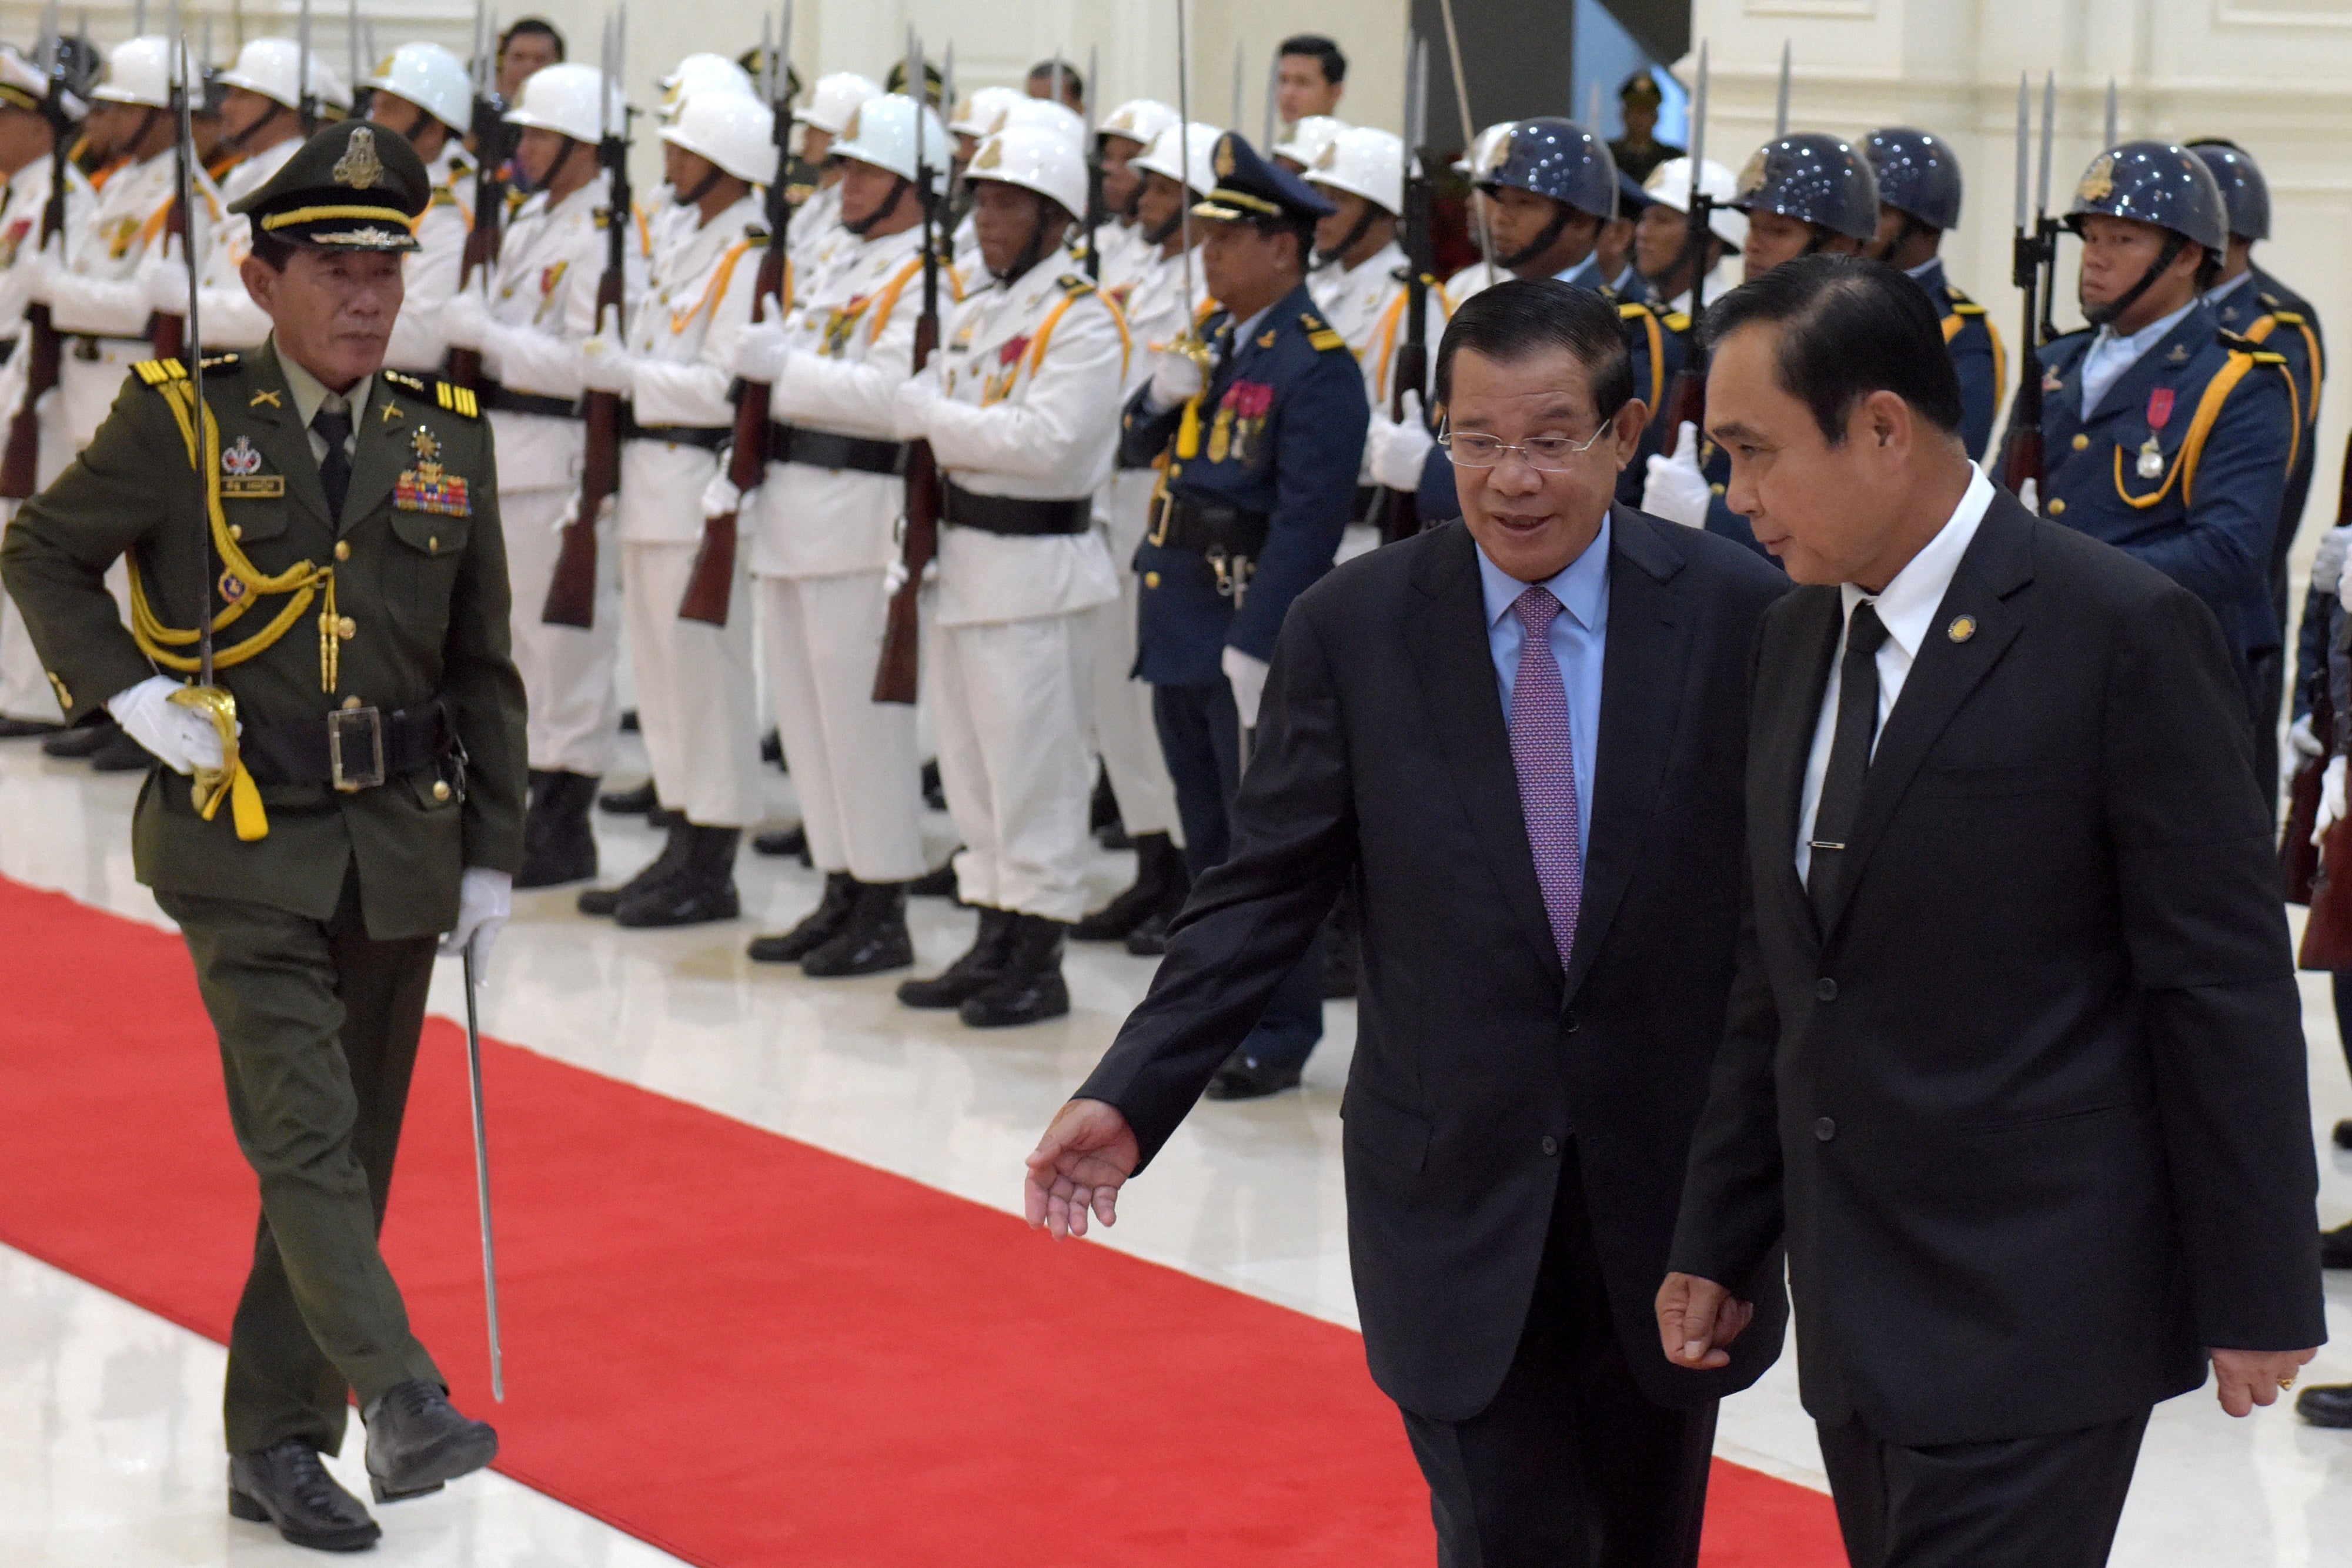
(372, 800)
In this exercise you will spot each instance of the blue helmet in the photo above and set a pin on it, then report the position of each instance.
(2245, 194)
(2155, 183)
(1916, 175)
(1815, 179)
(1555, 157)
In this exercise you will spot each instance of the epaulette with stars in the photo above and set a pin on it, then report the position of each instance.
(459, 401)
(1319, 334)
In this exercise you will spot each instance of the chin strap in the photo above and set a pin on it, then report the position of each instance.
(1542, 242)
(1032, 252)
(235, 143)
(2173, 245)
(897, 184)
(1159, 235)
(689, 198)
(1363, 224)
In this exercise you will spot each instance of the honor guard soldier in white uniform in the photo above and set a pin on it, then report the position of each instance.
(261, 128)
(816, 224)
(1125, 135)
(982, 117)
(1176, 171)
(1022, 412)
(1035, 113)
(667, 219)
(698, 699)
(28, 705)
(425, 93)
(541, 309)
(822, 540)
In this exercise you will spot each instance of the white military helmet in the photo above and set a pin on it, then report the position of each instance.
(1035, 159)
(1307, 139)
(1044, 114)
(698, 76)
(273, 67)
(25, 85)
(835, 97)
(571, 100)
(1199, 170)
(432, 78)
(1669, 187)
(139, 71)
(984, 113)
(1363, 162)
(1477, 158)
(1140, 120)
(734, 131)
(882, 131)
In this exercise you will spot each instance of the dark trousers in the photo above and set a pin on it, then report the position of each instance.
(1571, 1464)
(2021, 1502)
(2266, 677)
(1200, 737)
(318, 1026)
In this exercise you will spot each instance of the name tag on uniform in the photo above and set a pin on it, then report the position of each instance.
(241, 475)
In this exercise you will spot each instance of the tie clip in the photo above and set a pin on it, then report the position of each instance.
(1822, 844)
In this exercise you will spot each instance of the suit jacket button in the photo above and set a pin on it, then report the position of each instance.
(440, 790)
(1825, 1129)
(1550, 1145)
(1571, 1023)
(2082, 443)
(1825, 989)
(2057, 509)
(1150, 579)
(342, 549)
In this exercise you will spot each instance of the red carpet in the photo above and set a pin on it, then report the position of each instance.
(735, 1346)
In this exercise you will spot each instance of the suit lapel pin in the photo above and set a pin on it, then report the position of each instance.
(1963, 628)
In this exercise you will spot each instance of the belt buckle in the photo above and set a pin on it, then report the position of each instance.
(1222, 564)
(355, 748)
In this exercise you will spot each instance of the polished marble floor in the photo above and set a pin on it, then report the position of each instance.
(109, 1417)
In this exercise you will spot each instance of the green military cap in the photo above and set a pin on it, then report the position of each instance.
(353, 186)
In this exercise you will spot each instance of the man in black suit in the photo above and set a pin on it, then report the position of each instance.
(1541, 998)
(2015, 1056)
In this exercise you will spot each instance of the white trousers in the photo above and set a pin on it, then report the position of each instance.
(567, 674)
(853, 760)
(697, 701)
(1124, 733)
(1014, 760)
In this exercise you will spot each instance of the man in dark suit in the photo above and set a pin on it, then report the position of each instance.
(2015, 1058)
(1519, 738)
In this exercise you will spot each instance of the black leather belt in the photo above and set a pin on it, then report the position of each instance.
(709, 437)
(351, 749)
(1180, 522)
(1014, 515)
(506, 401)
(823, 449)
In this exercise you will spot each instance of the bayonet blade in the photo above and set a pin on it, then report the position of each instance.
(2049, 133)
(2024, 147)
(1241, 66)
(1780, 106)
(1698, 119)
(2110, 133)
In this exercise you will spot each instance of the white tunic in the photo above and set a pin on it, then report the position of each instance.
(231, 319)
(429, 277)
(1365, 305)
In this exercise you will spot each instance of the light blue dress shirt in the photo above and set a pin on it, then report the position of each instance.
(1579, 636)
(2109, 356)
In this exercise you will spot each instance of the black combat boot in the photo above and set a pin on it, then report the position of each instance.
(701, 891)
(1160, 886)
(778, 843)
(416, 1442)
(874, 939)
(817, 928)
(980, 964)
(557, 843)
(661, 868)
(1030, 988)
(634, 802)
(285, 1485)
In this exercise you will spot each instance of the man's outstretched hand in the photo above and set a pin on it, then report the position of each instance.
(1077, 1166)
(1696, 1318)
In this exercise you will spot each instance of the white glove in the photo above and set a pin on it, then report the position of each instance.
(183, 738)
(605, 366)
(2302, 740)
(2328, 566)
(1398, 448)
(466, 319)
(894, 575)
(2331, 800)
(760, 352)
(485, 902)
(2028, 496)
(1175, 379)
(910, 406)
(1246, 675)
(720, 497)
(1678, 489)
(165, 278)
(41, 276)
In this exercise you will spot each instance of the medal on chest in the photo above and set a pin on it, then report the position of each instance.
(998, 384)
(2151, 452)
(840, 322)
(427, 488)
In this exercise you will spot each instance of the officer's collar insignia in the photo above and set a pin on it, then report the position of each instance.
(390, 411)
(265, 396)
(1265, 338)
(2179, 355)
(360, 167)
(241, 459)
(1224, 162)
(2099, 181)
(2052, 382)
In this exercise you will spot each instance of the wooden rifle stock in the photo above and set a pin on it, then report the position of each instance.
(168, 334)
(895, 674)
(482, 240)
(711, 588)
(20, 466)
(1398, 512)
(2022, 457)
(572, 592)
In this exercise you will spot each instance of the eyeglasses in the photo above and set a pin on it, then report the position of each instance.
(1544, 454)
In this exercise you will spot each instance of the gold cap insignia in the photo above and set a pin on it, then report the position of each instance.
(1751, 174)
(1224, 162)
(1497, 154)
(849, 126)
(991, 156)
(358, 167)
(1330, 157)
(2099, 181)
(1963, 628)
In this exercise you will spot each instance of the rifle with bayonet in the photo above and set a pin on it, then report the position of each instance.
(1094, 169)
(1686, 396)
(2033, 254)
(711, 587)
(20, 468)
(1400, 510)
(896, 674)
(572, 592)
(481, 254)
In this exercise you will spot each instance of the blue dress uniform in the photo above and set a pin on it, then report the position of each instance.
(1918, 180)
(1259, 483)
(1978, 356)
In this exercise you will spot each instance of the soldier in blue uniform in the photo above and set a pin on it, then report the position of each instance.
(1802, 194)
(1262, 437)
(1918, 200)
(2167, 434)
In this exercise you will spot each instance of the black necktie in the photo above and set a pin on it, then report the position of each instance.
(1850, 743)
(335, 427)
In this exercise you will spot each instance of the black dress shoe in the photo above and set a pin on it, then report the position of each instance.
(122, 754)
(778, 842)
(416, 1442)
(1242, 1079)
(818, 926)
(1149, 938)
(2326, 1405)
(285, 1485)
(2336, 1248)
(661, 869)
(1160, 886)
(940, 883)
(634, 802)
(1030, 989)
(27, 729)
(2343, 1135)
(980, 967)
(873, 940)
(81, 740)
(701, 890)
(558, 844)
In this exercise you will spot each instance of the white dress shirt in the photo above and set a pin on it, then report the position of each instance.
(1907, 607)
(2109, 356)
